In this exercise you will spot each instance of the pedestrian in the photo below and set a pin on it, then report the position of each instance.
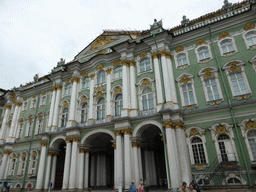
(183, 188)
(160, 182)
(141, 187)
(8, 186)
(195, 185)
(165, 183)
(132, 187)
(191, 188)
(1, 186)
(146, 186)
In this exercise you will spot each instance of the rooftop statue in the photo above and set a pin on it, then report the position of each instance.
(61, 62)
(184, 21)
(226, 5)
(156, 24)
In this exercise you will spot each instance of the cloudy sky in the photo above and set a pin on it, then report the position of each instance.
(35, 34)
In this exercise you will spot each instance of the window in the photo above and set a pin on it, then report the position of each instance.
(29, 132)
(203, 53)
(101, 109)
(33, 163)
(118, 105)
(212, 89)
(233, 181)
(182, 60)
(43, 102)
(33, 104)
(85, 83)
(12, 166)
(251, 135)
(226, 149)
(25, 104)
(118, 72)
(101, 77)
(251, 38)
(188, 94)
(84, 113)
(20, 130)
(145, 65)
(227, 46)
(238, 84)
(68, 89)
(40, 126)
(147, 99)
(198, 151)
(22, 165)
(64, 117)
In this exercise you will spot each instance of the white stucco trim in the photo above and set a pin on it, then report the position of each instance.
(139, 128)
(86, 137)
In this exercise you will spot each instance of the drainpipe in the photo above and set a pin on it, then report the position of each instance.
(226, 93)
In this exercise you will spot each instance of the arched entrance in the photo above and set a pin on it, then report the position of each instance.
(153, 156)
(60, 166)
(101, 160)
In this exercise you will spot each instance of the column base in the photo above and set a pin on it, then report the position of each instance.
(125, 113)
(71, 123)
(90, 121)
(134, 113)
(171, 105)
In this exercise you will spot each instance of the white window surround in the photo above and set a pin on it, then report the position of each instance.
(64, 85)
(24, 105)
(245, 40)
(22, 163)
(245, 131)
(82, 82)
(80, 112)
(213, 72)
(253, 62)
(97, 75)
(43, 100)
(181, 82)
(33, 103)
(200, 134)
(114, 72)
(240, 68)
(29, 127)
(20, 132)
(228, 131)
(12, 164)
(33, 162)
(233, 44)
(176, 55)
(139, 59)
(37, 123)
(233, 175)
(197, 49)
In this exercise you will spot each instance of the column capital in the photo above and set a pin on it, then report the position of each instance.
(59, 87)
(154, 55)
(125, 62)
(167, 125)
(55, 154)
(7, 152)
(114, 146)
(92, 76)
(53, 89)
(168, 55)
(68, 140)
(174, 125)
(43, 143)
(81, 150)
(75, 139)
(118, 132)
(18, 104)
(163, 53)
(132, 63)
(108, 71)
(50, 153)
(75, 79)
(136, 144)
(6, 106)
(179, 125)
(127, 131)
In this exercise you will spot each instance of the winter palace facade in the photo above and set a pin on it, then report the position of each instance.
(162, 105)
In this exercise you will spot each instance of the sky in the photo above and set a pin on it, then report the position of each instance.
(35, 34)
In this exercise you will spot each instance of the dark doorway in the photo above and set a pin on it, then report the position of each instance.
(60, 166)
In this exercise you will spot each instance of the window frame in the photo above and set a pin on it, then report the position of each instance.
(101, 109)
(32, 170)
(20, 169)
(24, 105)
(19, 133)
(97, 77)
(29, 131)
(176, 55)
(230, 53)
(87, 112)
(41, 100)
(83, 80)
(64, 116)
(205, 60)
(139, 59)
(252, 47)
(114, 72)
(65, 89)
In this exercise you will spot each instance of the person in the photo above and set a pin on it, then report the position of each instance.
(8, 186)
(50, 186)
(191, 188)
(160, 182)
(146, 186)
(141, 187)
(1, 186)
(165, 183)
(195, 185)
(183, 187)
(132, 187)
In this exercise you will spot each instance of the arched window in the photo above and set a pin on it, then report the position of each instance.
(251, 135)
(147, 99)
(182, 60)
(33, 163)
(29, 129)
(84, 113)
(118, 72)
(86, 83)
(212, 89)
(25, 104)
(64, 117)
(233, 181)
(68, 89)
(145, 65)
(12, 166)
(101, 77)
(101, 109)
(238, 84)
(226, 148)
(33, 104)
(40, 126)
(251, 38)
(118, 105)
(43, 102)
(20, 130)
(227, 46)
(203, 53)
(198, 151)
(188, 94)
(22, 165)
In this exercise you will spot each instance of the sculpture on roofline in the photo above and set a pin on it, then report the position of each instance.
(184, 21)
(61, 62)
(156, 24)
(227, 5)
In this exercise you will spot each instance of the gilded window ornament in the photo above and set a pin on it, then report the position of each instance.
(65, 104)
(100, 41)
(21, 121)
(154, 55)
(125, 63)
(101, 52)
(194, 132)
(116, 62)
(145, 82)
(223, 35)
(221, 129)
(234, 67)
(143, 54)
(250, 125)
(243, 97)
(25, 99)
(185, 79)
(75, 79)
(99, 94)
(92, 76)
(249, 26)
(43, 93)
(24, 155)
(200, 167)
(108, 71)
(99, 67)
(179, 49)
(215, 103)
(200, 42)
(84, 99)
(40, 116)
(34, 96)
(208, 73)
(34, 154)
(84, 73)
(30, 118)
(118, 90)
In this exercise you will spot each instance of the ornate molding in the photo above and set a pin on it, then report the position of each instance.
(223, 35)
(208, 73)
(118, 90)
(23, 155)
(34, 96)
(34, 154)
(30, 118)
(7, 106)
(154, 55)
(21, 121)
(221, 129)
(84, 99)
(92, 76)
(136, 144)
(179, 49)
(43, 93)
(101, 41)
(75, 79)
(185, 79)
(145, 82)
(84, 73)
(65, 104)
(163, 53)
(194, 132)
(249, 26)
(250, 125)
(40, 116)
(233, 67)
(58, 87)
(200, 42)
(108, 71)
(143, 54)
(43, 143)
(25, 99)
(200, 167)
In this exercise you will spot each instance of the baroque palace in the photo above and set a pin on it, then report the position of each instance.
(162, 105)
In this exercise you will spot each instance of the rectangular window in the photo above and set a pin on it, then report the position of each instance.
(188, 94)
(212, 90)
(238, 84)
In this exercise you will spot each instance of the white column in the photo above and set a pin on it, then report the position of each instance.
(98, 170)
(52, 107)
(159, 91)
(14, 122)
(90, 115)
(172, 156)
(115, 163)
(48, 168)
(56, 108)
(172, 81)
(81, 169)
(72, 111)
(147, 167)
(153, 168)
(53, 173)
(185, 166)
(134, 110)
(140, 162)
(4, 163)
(86, 174)
(40, 173)
(4, 123)
(119, 156)
(67, 164)
(136, 163)
(166, 74)
(127, 157)
(92, 176)
(72, 178)
(108, 107)
(104, 179)
(125, 111)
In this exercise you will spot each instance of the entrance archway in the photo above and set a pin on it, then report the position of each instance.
(60, 166)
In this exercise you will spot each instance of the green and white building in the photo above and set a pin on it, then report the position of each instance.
(162, 105)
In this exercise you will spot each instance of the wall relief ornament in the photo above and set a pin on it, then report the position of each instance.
(194, 132)
(21, 121)
(233, 67)
(215, 103)
(179, 49)
(40, 116)
(118, 90)
(116, 62)
(200, 167)
(99, 67)
(143, 54)
(221, 129)
(185, 79)
(30, 118)
(200, 42)
(84, 73)
(108, 71)
(84, 99)
(223, 35)
(249, 26)
(208, 73)
(243, 97)
(100, 41)
(99, 94)
(34, 154)
(250, 125)
(65, 104)
(101, 52)
(145, 82)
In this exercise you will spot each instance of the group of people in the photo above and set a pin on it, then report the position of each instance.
(193, 187)
(6, 185)
(143, 187)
